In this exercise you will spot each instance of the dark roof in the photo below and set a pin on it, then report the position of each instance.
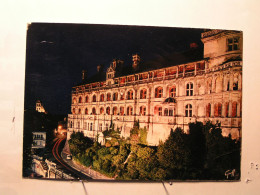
(160, 61)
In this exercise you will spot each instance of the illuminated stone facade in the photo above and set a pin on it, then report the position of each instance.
(166, 98)
(39, 106)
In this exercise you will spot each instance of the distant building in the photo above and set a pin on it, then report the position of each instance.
(39, 106)
(203, 89)
(39, 140)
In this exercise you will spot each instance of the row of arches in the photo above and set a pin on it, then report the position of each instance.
(130, 95)
(219, 110)
(224, 83)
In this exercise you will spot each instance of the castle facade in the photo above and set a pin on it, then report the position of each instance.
(166, 98)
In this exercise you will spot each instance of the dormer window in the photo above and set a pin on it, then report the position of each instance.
(232, 44)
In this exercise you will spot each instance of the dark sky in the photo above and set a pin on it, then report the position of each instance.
(56, 54)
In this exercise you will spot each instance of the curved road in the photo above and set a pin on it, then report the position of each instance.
(56, 150)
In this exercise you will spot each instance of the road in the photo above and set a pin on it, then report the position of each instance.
(56, 151)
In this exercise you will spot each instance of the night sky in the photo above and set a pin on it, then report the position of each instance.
(56, 54)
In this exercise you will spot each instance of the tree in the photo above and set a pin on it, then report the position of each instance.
(174, 154)
(79, 143)
(197, 145)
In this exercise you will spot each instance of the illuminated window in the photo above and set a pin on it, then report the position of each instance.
(170, 112)
(108, 97)
(80, 99)
(142, 110)
(108, 110)
(235, 83)
(121, 110)
(189, 89)
(74, 101)
(208, 110)
(115, 96)
(188, 110)
(158, 110)
(101, 110)
(86, 111)
(130, 95)
(166, 112)
(143, 94)
(94, 98)
(93, 111)
(122, 97)
(129, 110)
(218, 110)
(158, 92)
(114, 110)
(234, 109)
(73, 111)
(102, 97)
(227, 109)
(172, 91)
(233, 43)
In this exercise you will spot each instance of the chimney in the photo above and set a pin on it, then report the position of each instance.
(84, 75)
(136, 61)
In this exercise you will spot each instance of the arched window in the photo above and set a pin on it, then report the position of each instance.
(79, 111)
(189, 89)
(101, 110)
(86, 99)
(158, 110)
(172, 91)
(170, 112)
(94, 111)
(129, 110)
(143, 93)
(226, 109)
(114, 110)
(130, 95)
(74, 100)
(100, 127)
(108, 97)
(86, 110)
(228, 87)
(209, 86)
(188, 110)
(115, 96)
(208, 110)
(108, 110)
(121, 110)
(102, 97)
(235, 83)
(158, 92)
(234, 109)
(142, 110)
(122, 96)
(166, 112)
(94, 98)
(218, 110)
(73, 111)
(80, 99)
